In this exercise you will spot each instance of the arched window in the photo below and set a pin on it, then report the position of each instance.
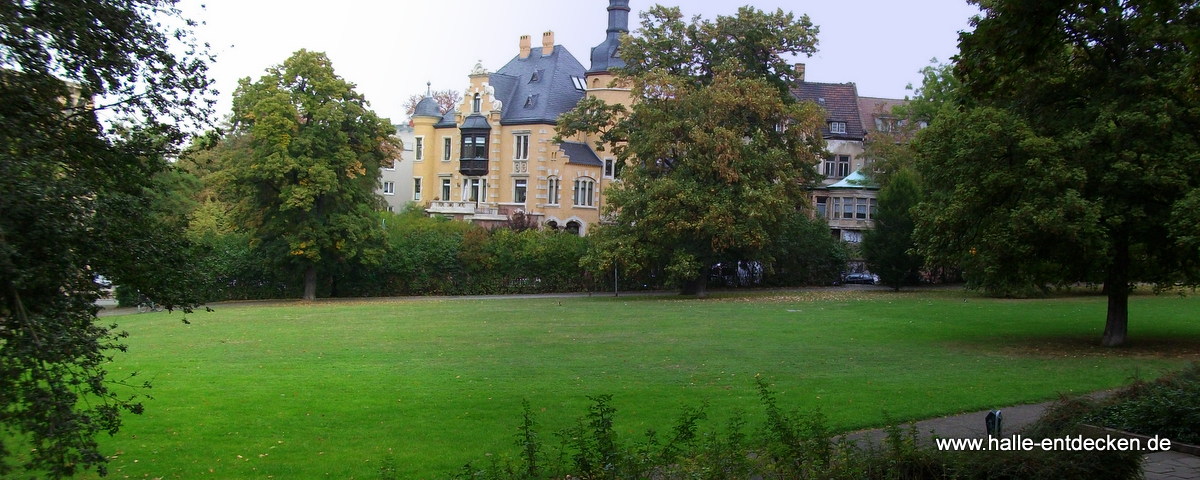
(585, 192)
(573, 227)
(477, 103)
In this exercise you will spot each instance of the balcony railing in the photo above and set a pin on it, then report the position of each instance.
(464, 208)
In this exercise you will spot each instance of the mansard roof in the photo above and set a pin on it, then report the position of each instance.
(840, 101)
(538, 88)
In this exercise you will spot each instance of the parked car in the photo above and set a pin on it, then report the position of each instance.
(860, 278)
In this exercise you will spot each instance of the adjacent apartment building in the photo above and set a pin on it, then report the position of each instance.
(845, 197)
(396, 185)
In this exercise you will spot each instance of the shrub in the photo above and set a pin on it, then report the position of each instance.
(1169, 407)
(789, 445)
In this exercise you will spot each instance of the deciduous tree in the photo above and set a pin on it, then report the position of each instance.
(715, 151)
(74, 205)
(1075, 155)
(306, 181)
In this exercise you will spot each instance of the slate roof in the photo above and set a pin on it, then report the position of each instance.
(580, 154)
(604, 55)
(427, 107)
(840, 101)
(449, 120)
(542, 100)
(475, 121)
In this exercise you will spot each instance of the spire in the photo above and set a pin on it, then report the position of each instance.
(427, 107)
(618, 17)
(604, 55)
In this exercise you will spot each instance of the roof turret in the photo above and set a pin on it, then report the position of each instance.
(427, 107)
(605, 55)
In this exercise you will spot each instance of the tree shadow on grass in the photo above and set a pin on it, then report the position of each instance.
(1185, 347)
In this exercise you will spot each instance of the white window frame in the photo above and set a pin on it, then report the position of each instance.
(477, 185)
(447, 148)
(389, 188)
(584, 192)
(610, 168)
(520, 185)
(416, 189)
(837, 127)
(419, 149)
(835, 167)
(521, 146)
(553, 185)
(446, 184)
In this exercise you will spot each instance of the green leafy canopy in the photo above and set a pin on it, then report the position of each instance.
(75, 204)
(307, 175)
(1075, 155)
(715, 151)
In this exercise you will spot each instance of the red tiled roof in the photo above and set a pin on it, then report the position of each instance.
(840, 101)
(872, 107)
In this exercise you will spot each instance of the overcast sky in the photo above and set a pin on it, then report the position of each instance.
(389, 49)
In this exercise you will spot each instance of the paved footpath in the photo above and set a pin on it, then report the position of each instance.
(1168, 465)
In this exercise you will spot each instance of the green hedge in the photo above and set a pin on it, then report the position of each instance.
(434, 256)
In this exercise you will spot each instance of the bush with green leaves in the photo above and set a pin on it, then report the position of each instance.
(1168, 407)
(787, 445)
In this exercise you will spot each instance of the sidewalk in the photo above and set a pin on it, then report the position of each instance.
(1168, 465)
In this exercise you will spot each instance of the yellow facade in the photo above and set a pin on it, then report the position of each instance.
(522, 160)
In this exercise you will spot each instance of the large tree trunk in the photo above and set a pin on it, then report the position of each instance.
(1116, 328)
(310, 283)
(1116, 285)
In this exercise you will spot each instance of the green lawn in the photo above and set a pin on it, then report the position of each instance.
(328, 390)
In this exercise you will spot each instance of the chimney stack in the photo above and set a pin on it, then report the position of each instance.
(547, 43)
(525, 46)
(799, 72)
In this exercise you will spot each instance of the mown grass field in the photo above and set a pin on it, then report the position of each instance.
(331, 389)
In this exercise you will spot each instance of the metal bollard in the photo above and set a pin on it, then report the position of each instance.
(994, 423)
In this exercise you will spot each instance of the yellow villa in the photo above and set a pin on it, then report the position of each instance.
(495, 156)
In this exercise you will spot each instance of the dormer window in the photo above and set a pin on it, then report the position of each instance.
(531, 101)
(477, 103)
(580, 84)
(536, 76)
(837, 127)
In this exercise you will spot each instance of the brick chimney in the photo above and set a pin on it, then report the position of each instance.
(525, 45)
(799, 72)
(547, 43)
